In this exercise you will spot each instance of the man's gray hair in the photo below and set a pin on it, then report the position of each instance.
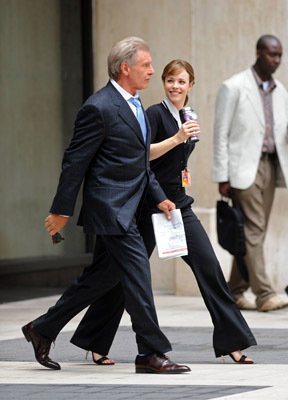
(124, 51)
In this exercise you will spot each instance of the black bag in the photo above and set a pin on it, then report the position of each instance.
(230, 231)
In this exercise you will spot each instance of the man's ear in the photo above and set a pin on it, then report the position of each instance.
(125, 68)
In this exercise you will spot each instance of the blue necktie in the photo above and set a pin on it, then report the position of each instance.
(140, 116)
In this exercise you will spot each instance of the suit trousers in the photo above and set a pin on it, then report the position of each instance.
(120, 264)
(256, 203)
(230, 329)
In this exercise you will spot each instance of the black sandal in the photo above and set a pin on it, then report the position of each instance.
(242, 359)
(101, 360)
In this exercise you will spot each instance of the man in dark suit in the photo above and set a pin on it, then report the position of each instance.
(110, 152)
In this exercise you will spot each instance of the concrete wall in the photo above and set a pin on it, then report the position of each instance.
(31, 141)
(34, 119)
(218, 38)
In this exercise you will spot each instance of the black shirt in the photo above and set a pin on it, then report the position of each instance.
(168, 168)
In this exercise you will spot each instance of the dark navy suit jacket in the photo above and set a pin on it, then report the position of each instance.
(107, 151)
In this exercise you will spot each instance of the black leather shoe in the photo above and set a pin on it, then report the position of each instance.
(158, 364)
(41, 346)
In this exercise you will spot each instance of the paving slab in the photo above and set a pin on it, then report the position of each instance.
(187, 324)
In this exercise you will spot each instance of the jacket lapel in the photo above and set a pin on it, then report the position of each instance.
(253, 95)
(126, 114)
(277, 104)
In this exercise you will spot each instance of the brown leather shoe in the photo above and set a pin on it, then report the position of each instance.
(41, 346)
(158, 364)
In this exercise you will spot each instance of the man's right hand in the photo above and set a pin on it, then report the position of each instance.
(54, 223)
(225, 189)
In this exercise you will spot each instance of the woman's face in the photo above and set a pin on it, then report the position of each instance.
(176, 88)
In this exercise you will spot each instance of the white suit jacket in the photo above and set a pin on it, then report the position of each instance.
(240, 127)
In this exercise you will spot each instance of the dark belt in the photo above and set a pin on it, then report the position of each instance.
(265, 155)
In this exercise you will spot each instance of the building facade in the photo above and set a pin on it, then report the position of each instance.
(55, 54)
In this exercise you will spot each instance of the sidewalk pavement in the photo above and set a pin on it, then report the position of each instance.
(187, 324)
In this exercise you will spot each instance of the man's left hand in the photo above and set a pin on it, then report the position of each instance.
(54, 223)
(166, 206)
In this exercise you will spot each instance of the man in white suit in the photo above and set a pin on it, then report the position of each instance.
(251, 159)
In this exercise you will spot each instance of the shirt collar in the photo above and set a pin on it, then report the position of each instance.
(174, 111)
(271, 85)
(122, 91)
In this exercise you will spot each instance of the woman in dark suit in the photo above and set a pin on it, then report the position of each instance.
(169, 153)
